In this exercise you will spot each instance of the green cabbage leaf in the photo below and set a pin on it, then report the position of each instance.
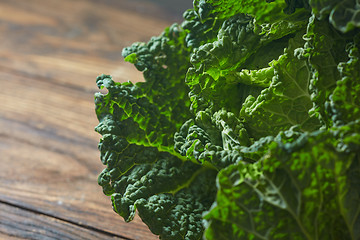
(247, 125)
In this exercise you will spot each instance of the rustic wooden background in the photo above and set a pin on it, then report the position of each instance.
(51, 52)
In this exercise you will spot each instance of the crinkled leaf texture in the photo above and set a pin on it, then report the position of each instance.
(143, 171)
(296, 190)
(247, 125)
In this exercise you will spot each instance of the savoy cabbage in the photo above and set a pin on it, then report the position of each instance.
(247, 126)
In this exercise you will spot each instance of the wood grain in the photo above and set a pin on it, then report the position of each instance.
(50, 54)
(20, 223)
(74, 41)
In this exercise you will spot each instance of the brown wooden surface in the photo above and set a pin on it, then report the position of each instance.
(50, 54)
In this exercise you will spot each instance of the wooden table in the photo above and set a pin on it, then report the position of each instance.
(51, 52)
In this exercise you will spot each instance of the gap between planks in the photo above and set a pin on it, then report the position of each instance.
(62, 221)
(41, 78)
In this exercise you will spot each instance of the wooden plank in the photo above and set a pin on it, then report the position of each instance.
(49, 156)
(50, 54)
(24, 224)
(73, 42)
